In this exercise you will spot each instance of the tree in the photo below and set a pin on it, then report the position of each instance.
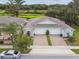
(76, 3)
(14, 6)
(70, 16)
(66, 13)
(75, 6)
(22, 42)
(56, 11)
(11, 28)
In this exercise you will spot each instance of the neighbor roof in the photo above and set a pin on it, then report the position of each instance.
(58, 21)
(8, 20)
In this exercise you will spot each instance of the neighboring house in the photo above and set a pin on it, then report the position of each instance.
(7, 38)
(8, 19)
(39, 26)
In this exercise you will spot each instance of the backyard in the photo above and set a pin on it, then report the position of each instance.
(26, 14)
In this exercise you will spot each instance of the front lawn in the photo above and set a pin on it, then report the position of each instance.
(3, 49)
(75, 51)
(76, 35)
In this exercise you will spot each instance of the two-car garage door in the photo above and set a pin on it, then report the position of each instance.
(51, 30)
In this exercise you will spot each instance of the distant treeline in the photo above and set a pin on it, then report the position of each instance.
(32, 7)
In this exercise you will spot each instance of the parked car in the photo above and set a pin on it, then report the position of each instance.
(10, 54)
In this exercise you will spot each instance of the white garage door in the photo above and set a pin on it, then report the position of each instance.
(43, 30)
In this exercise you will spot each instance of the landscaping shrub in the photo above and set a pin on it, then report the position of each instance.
(48, 38)
(71, 39)
(28, 33)
(47, 32)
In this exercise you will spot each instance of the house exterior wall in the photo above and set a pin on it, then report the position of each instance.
(67, 32)
(42, 30)
(52, 30)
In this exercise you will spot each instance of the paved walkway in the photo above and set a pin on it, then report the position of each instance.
(58, 41)
(40, 40)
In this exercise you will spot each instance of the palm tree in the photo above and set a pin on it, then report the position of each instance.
(19, 2)
(14, 6)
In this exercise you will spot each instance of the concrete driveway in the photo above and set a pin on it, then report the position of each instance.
(40, 40)
(58, 41)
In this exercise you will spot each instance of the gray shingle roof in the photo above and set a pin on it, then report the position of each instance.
(8, 20)
(59, 22)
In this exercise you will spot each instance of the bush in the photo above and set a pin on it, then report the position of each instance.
(49, 41)
(28, 33)
(71, 39)
(47, 32)
(22, 43)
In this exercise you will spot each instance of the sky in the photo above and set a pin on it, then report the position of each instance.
(48, 2)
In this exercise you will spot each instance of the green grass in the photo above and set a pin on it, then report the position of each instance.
(3, 49)
(76, 35)
(2, 11)
(29, 16)
(23, 14)
(41, 11)
(26, 51)
(75, 51)
(49, 40)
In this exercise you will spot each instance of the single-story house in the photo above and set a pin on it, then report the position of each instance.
(39, 26)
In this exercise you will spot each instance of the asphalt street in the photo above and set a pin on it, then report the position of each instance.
(48, 57)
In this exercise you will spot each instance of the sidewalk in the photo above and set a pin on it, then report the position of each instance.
(56, 47)
(53, 50)
(6, 46)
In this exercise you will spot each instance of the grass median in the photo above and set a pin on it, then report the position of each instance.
(49, 40)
